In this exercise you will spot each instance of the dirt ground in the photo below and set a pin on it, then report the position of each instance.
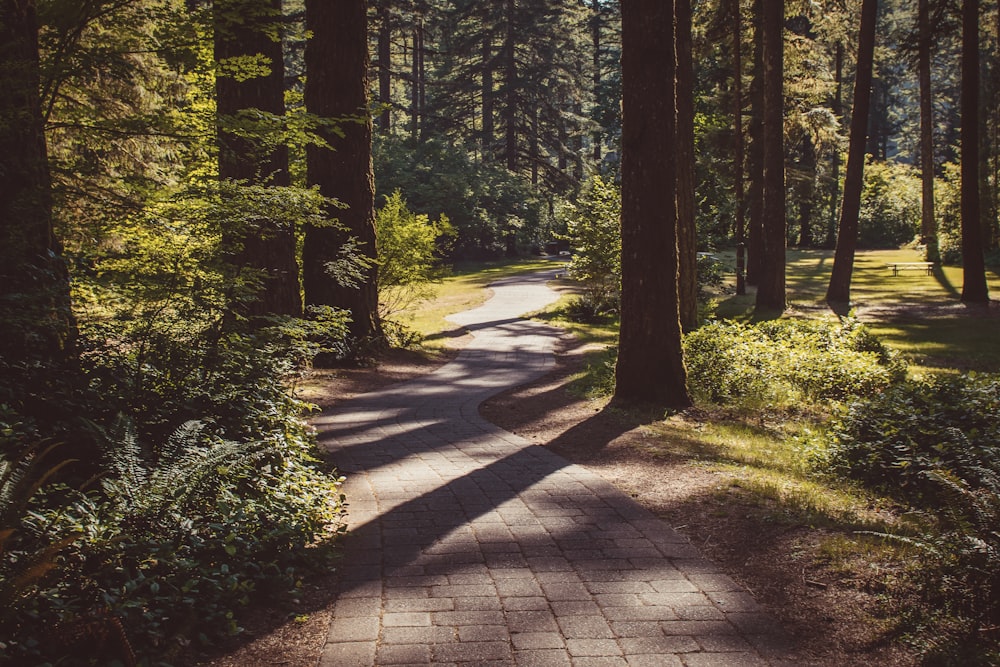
(838, 617)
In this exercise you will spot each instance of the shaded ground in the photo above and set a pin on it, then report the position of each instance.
(837, 616)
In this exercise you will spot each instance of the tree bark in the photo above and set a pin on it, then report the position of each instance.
(37, 328)
(242, 28)
(488, 127)
(595, 34)
(974, 288)
(650, 365)
(831, 229)
(839, 289)
(384, 67)
(738, 149)
(755, 156)
(928, 225)
(336, 88)
(686, 224)
(510, 81)
(771, 283)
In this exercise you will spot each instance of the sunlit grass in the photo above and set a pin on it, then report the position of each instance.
(463, 289)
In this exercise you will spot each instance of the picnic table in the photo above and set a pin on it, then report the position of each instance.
(927, 267)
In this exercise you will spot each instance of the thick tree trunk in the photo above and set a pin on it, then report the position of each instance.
(974, 288)
(928, 225)
(650, 361)
(771, 283)
(37, 328)
(337, 87)
(839, 290)
(245, 28)
(686, 227)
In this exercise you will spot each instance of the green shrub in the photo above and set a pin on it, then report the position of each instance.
(890, 205)
(783, 361)
(892, 440)
(594, 230)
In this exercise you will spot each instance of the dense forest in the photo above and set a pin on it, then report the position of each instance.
(203, 200)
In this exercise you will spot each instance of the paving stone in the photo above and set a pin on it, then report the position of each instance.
(468, 545)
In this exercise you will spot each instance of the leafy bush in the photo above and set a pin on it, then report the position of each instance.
(891, 441)
(782, 361)
(890, 205)
(172, 544)
(594, 230)
(409, 248)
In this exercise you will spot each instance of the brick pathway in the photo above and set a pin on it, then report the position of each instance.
(469, 545)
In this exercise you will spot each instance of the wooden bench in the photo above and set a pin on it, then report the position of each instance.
(927, 267)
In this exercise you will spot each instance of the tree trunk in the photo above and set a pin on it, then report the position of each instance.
(755, 156)
(243, 28)
(771, 283)
(839, 290)
(928, 226)
(738, 149)
(384, 67)
(595, 33)
(974, 288)
(337, 87)
(686, 227)
(650, 360)
(510, 81)
(488, 137)
(37, 328)
(831, 229)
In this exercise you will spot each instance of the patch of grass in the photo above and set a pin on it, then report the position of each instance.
(462, 290)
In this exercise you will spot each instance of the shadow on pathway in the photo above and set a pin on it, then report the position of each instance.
(468, 545)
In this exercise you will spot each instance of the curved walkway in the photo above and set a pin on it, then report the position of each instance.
(468, 545)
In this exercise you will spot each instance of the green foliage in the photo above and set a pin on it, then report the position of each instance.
(890, 205)
(409, 249)
(493, 212)
(593, 224)
(175, 541)
(892, 440)
(782, 362)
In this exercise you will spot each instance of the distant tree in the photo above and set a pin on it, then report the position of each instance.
(650, 361)
(739, 150)
(839, 289)
(250, 102)
(755, 154)
(974, 288)
(337, 90)
(36, 322)
(771, 280)
(928, 225)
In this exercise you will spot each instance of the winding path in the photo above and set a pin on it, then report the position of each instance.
(468, 545)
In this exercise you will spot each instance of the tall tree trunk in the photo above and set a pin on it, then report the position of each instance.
(415, 75)
(686, 227)
(384, 66)
(838, 112)
(488, 130)
(974, 288)
(510, 81)
(928, 225)
(738, 149)
(771, 285)
(337, 87)
(37, 329)
(245, 28)
(650, 360)
(806, 192)
(755, 156)
(839, 290)
(595, 32)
